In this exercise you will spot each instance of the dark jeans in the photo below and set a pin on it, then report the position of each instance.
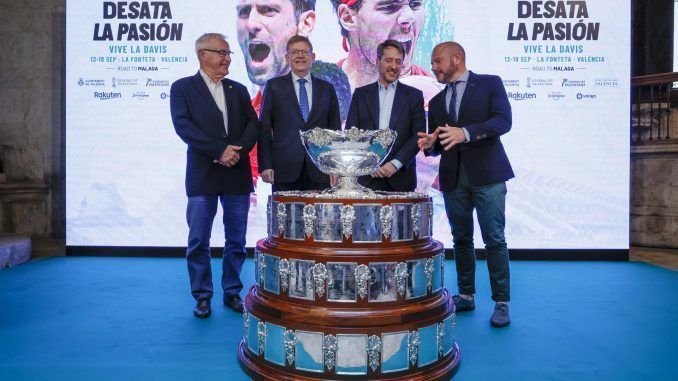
(489, 202)
(200, 216)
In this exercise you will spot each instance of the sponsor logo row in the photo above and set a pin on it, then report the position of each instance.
(532, 82)
(531, 88)
(139, 95)
(116, 82)
(553, 95)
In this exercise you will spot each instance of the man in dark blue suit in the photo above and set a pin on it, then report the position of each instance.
(215, 118)
(388, 103)
(466, 121)
(295, 102)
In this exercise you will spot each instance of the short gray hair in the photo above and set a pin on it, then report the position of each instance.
(201, 42)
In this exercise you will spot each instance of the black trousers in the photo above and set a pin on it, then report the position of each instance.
(303, 183)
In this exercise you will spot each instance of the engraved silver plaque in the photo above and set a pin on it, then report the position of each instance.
(341, 285)
(301, 279)
(425, 220)
(252, 334)
(309, 351)
(402, 223)
(438, 274)
(428, 345)
(275, 346)
(367, 225)
(416, 284)
(272, 273)
(383, 287)
(327, 226)
(394, 355)
(352, 354)
(294, 221)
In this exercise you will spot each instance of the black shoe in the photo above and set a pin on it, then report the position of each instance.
(500, 317)
(202, 310)
(462, 304)
(234, 302)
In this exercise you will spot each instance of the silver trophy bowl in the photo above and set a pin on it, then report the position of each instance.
(348, 154)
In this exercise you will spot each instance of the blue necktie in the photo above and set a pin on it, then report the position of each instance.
(303, 99)
(452, 108)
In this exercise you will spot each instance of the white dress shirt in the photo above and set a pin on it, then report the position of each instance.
(309, 88)
(217, 91)
(386, 97)
(461, 87)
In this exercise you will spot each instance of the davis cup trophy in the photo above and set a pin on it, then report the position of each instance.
(349, 281)
(347, 155)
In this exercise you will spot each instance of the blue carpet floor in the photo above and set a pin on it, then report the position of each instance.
(84, 318)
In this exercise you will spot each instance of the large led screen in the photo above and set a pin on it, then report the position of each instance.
(565, 67)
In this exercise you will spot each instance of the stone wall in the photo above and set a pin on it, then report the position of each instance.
(654, 196)
(32, 199)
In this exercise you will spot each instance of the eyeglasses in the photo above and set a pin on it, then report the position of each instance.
(301, 53)
(221, 53)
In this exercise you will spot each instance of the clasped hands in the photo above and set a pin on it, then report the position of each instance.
(386, 170)
(229, 157)
(449, 137)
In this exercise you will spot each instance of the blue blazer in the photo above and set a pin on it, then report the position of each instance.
(485, 112)
(407, 118)
(200, 124)
(280, 146)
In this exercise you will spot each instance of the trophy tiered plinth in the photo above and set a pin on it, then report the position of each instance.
(349, 287)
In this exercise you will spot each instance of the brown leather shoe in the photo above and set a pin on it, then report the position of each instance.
(202, 310)
(234, 302)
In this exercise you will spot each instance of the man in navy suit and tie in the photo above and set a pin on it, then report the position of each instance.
(295, 102)
(215, 118)
(466, 121)
(388, 103)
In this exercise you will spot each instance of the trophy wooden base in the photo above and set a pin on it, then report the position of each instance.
(259, 370)
(349, 289)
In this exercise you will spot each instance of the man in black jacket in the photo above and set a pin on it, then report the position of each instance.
(388, 103)
(466, 121)
(295, 102)
(215, 118)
